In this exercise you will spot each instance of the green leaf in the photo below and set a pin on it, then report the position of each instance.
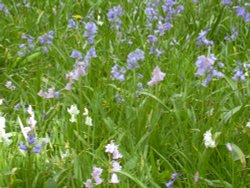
(155, 98)
(227, 115)
(139, 183)
(237, 154)
(217, 183)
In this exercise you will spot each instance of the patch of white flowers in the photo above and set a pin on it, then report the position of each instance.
(208, 140)
(73, 111)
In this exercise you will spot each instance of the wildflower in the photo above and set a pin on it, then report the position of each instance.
(229, 147)
(33, 145)
(242, 12)
(88, 119)
(22, 146)
(72, 24)
(80, 67)
(116, 167)
(206, 68)
(88, 183)
(90, 31)
(10, 86)
(163, 27)
(4, 137)
(134, 57)
(50, 94)
(152, 11)
(80, 70)
(31, 120)
(96, 173)
(73, 111)
(196, 177)
(152, 39)
(227, 2)
(99, 22)
(90, 54)
(118, 72)
(140, 76)
(86, 112)
(204, 64)
(114, 178)
(157, 76)
(140, 86)
(208, 140)
(46, 38)
(25, 130)
(171, 182)
(76, 54)
(26, 48)
(203, 40)
(239, 73)
(16, 107)
(114, 15)
(113, 149)
(4, 8)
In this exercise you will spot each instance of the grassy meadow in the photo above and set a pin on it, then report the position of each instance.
(132, 93)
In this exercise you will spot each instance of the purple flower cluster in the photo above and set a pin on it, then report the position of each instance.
(170, 10)
(205, 66)
(202, 40)
(96, 173)
(72, 24)
(46, 39)
(239, 73)
(90, 31)
(32, 146)
(113, 149)
(171, 182)
(114, 16)
(4, 8)
(80, 67)
(76, 54)
(154, 9)
(227, 2)
(134, 57)
(160, 15)
(50, 94)
(96, 179)
(152, 39)
(118, 72)
(26, 48)
(242, 12)
(90, 54)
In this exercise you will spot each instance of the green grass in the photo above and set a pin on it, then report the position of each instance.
(159, 131)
